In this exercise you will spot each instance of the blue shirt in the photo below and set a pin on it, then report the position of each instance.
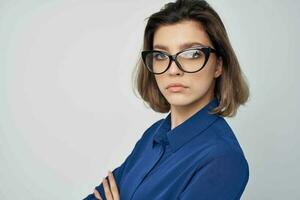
(200, 159)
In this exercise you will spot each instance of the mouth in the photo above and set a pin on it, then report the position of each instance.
(176, 88)
(175, 85)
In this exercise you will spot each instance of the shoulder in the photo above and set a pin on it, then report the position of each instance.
(223, 173)
(154, 125)
(224, 137)
(223, 150)
(224, 146)
(227, 158)
(144, 138)
(150, 130)
(224, 159)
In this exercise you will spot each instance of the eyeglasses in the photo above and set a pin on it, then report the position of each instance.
(189, 60)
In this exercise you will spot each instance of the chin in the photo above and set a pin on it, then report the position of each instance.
(184, 99)
(179, 101)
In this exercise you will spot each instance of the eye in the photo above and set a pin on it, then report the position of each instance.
(160, 56)
(192, 54)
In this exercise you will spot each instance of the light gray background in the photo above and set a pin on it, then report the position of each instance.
(68, 113)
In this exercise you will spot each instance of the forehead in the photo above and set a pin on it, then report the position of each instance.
(173, 36)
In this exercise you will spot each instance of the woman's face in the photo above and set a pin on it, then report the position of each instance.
(199, 85)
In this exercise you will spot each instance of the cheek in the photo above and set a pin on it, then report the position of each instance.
(199, 85)
(159, 82)
(201, 82)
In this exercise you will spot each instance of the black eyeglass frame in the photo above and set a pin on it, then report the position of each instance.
(207, 50)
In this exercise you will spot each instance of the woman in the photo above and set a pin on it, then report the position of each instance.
(189, 68)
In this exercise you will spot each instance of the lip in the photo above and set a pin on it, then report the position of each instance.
(176, 89)
(176, 85)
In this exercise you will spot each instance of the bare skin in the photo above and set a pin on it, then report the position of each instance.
(110, 189)
(200, 85)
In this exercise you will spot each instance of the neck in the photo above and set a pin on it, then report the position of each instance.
(181, 113)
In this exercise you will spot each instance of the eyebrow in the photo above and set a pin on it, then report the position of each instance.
(182, 46)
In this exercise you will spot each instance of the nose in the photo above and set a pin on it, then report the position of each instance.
(174, 68)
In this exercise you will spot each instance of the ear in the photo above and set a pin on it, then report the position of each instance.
(219, 67)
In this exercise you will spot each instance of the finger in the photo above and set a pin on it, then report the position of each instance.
(97, 195)
(107, 190)
(113, 186)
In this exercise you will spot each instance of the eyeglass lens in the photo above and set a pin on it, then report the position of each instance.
(190, 60)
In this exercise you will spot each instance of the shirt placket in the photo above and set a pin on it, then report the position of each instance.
(147, 174)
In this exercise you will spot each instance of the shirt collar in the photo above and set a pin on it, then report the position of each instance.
(188, 129)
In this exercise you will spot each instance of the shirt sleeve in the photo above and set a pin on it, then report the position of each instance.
(223, 178)
(118, 171)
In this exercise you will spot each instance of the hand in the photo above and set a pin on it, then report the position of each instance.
(111, 193)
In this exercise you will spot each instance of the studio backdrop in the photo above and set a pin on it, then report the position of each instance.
(68, 112)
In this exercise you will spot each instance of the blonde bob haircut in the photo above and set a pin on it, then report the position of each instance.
(231, 88)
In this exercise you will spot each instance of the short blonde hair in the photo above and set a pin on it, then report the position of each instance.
(231, 88)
